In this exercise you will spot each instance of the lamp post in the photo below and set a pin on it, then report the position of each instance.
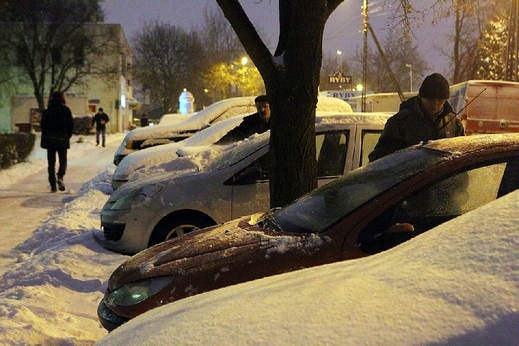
(339, 53)
(410, 76)
(364, 54)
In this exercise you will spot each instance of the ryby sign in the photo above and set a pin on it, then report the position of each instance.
(339, 78)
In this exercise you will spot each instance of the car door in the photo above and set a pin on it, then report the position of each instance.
(250, 185)
(430, 205)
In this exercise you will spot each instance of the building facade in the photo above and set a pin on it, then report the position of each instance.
(105, 83)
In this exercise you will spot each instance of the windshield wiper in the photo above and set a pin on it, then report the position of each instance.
(268, 222)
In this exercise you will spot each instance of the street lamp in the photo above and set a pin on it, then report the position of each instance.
(410, 76)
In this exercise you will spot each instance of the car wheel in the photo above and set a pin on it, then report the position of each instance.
(177, 225)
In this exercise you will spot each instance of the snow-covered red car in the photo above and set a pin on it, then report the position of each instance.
(368, 210)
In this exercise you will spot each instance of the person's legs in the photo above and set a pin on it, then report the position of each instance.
(62, 154)
(104, 136)
(51, 168)
(97, 136)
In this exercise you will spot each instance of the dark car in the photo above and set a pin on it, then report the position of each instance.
(369, 210)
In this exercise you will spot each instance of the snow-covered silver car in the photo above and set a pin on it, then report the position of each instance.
(175, 131)
(226, 184)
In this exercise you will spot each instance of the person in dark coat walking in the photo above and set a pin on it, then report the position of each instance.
(421, 118)
(258, 122)
(56, 129)
(144, 120)
(100, 120)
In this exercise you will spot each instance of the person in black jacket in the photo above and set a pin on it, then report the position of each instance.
(144, 120)
(258, 122)
(56, 129)
(100, 120)
(424, 117)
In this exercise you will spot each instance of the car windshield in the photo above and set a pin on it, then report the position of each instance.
(323, 207)
(236, 152)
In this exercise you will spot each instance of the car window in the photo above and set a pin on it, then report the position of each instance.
(237, 153)
(433, 205)
(331, 153)
(331, 157)
(369, 140)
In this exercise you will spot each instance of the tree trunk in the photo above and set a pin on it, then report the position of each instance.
(292, 144)
(291, 79)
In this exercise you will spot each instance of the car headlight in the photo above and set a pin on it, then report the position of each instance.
(136, 197)
(135, 292)
(129, 144)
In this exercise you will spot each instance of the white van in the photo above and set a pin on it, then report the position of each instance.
(486, 106)
(146, 137)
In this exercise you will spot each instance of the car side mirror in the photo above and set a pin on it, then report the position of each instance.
(403, 227)
(394, 235)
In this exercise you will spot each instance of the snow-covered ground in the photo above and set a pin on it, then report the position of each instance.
(458, 284)
(54, 273)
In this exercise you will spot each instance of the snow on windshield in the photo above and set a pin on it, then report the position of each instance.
(222, 110)
(162, 154)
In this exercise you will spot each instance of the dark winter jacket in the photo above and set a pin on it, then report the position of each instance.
(100, 120)
(411, 126)
(56, 127)
(250, 125)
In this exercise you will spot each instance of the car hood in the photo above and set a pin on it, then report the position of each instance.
(219, 249)
(155, 180)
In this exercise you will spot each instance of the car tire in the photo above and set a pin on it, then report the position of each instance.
(174, 226)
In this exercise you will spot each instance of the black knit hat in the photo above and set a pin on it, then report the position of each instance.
(435, 86)
(261, 98)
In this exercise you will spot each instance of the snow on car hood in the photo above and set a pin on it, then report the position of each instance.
(197, 162)
(231, 107)
(161, 155)
(218, 247)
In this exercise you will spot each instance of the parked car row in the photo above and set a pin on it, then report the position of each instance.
(233, 183)
(179, 129)
(368, 210)
(175, 128)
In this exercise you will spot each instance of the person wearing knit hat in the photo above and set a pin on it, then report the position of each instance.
(258, 122)
(426, 116)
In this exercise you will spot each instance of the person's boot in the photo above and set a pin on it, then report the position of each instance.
(61, 186)
(53, 188)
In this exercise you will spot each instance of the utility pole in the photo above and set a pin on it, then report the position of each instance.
(511, 73)
(364, 54)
